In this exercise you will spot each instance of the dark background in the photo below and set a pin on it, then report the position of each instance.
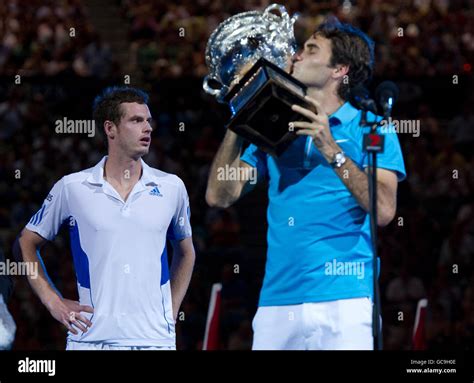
(60, 76)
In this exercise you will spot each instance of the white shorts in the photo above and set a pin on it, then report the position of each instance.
(81, 346)
(344, 324)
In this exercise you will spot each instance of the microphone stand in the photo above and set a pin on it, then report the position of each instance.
(373, 144)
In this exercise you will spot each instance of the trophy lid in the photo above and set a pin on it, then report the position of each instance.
(244, 38)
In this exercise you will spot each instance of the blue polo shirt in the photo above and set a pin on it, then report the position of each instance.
(319, 242)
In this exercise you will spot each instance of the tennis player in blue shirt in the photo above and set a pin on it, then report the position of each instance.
(317, 291)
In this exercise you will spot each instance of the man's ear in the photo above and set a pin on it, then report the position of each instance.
(340, 71)
(110, 129)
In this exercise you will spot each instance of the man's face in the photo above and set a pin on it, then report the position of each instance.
(311, 65)
(133, 133)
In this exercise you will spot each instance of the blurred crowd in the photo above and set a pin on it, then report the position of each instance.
(414, 37)
(426, 251)
(50, 38)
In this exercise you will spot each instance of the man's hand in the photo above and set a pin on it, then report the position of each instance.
(68, 313)
(318, 128)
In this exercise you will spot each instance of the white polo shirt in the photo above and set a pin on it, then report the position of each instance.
(119, 251)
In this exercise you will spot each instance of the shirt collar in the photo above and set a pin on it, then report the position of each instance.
(97, 175)
(147, 177)
(344, 115)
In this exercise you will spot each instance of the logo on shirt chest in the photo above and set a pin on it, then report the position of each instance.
(156, 192)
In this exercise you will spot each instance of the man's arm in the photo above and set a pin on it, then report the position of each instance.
(355, 179)
(357, 182)
(182, 266)
(66, 311)
(223, 193)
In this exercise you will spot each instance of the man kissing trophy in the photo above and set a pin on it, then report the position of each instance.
(247, 56)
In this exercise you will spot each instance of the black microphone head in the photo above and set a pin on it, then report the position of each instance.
(359, 97)
(385, 90)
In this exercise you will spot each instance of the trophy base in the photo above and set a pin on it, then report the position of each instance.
(264, 98)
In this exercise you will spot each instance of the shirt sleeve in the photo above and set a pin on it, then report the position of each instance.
(54, 211)
(391, 158)
(255, 158)
(180, 226)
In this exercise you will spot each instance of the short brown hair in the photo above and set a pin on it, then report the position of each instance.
(352, 47)
(106, 106)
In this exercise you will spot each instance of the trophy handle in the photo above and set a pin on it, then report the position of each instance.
(208, 89)
(295, 17)
(287, 22)
(283, 14)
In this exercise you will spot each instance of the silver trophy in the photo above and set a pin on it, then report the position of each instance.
(247, 56)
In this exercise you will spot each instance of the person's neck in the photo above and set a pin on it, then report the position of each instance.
(121, 169)
(329, 100)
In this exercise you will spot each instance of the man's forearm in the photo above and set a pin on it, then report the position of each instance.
(40, 282)
(218, 192)
(181, 270)
(356, 181)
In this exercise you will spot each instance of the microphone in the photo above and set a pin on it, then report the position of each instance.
(386, 94)
(359, 98)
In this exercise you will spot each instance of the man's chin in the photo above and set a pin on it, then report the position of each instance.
(142, 152)
(303, 79)
(295, 73)
(300, 78)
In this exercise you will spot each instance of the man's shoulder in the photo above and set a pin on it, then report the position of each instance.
(76, 177)
(160, 176)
